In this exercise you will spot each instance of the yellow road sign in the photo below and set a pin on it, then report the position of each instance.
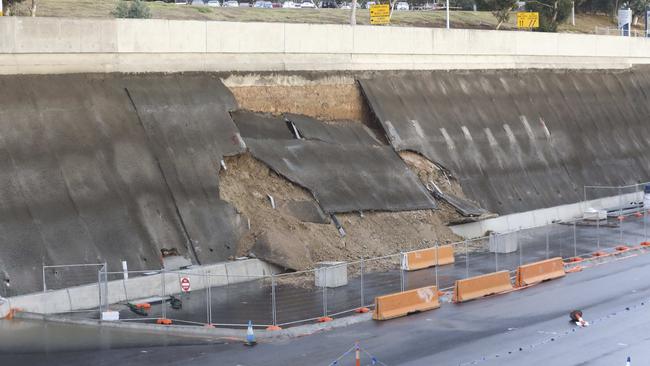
(379, 14)
(527, 19)
(379, 20)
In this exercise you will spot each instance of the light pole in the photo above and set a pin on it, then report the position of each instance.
(447, 6)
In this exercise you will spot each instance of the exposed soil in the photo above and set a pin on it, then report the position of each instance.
(428, 172)
(246, 184)
(328, 102)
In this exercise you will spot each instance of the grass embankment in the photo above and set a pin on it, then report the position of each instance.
(459, 19)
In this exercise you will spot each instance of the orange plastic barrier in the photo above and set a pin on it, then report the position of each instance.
(407, 302)
(531, 273)
(424, 258)
(484, 285)
(12, 313)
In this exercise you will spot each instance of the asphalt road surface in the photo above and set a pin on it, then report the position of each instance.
(527, 327)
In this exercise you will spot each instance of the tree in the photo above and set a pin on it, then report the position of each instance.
(551, 12)
(500, 9)
(137, 9)
(9, 7)
(463, 4)
(638, 9)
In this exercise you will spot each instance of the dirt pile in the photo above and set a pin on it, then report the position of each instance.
(279, 237)
(318, 95)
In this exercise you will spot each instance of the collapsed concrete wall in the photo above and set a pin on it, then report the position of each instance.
(345, 174)
(293, 240)
(86, 178)
(520, 140)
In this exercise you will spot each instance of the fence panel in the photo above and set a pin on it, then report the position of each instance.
(298, 299)
(68, 275)
(344, 284)
(241, 299)
(57, 277)
(382, 276)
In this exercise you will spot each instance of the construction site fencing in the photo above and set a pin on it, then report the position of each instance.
(197, 296)
(614, 198)
(56, 277)
(341, 288)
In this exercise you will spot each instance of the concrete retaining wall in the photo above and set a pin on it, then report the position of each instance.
(59, 45)
(541, 217)
(87, 296)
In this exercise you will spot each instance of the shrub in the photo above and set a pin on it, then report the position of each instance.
(136, 9)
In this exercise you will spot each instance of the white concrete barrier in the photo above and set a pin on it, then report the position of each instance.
(540, 217)
(60, 45)
(87, 296)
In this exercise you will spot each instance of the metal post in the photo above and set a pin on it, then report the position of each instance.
(99, 292)
(620, 202)
(353, 14)
(361, 280)
(163, 303)
(466, 259)
(520, 247)
(401, 277)
(573, 13)
(273, 304)
(547, 248)
(207, 298)
(210, 298)
(325, 301)
(645, 230)
(493, 236)
(44, 284)
(575, 240)
(646, 16)
(447, 6)
(105, 287)
(598, 233)
(620, 229)
(436, 266)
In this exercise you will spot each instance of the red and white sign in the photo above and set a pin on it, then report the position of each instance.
(185, 284)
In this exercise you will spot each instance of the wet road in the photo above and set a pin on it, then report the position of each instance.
(488, 331)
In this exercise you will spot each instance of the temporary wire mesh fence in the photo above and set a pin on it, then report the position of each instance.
(340, 288)
(56, 277)
(613, 198)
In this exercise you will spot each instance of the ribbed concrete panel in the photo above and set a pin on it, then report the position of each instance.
(187, 122)
(87, 178)
(520, 141)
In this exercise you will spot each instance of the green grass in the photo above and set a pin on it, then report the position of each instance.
(160, 10)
